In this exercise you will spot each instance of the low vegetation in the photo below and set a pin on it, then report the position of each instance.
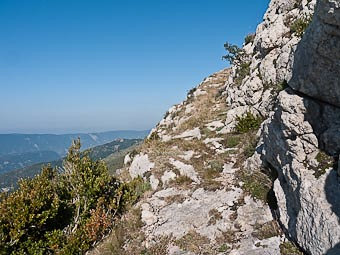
(247, 122)
(257, 184)
(288, 248)
(249, 38)
(181, 180)
(231, 141)
(235, 55)
(324, 162)
(64, 213)
(194, 242)
(125, 229)
(191, 92)
(238, 57)
(215, 216)
(299, 26)
(267, 230)
(250, 147)
(153, 136)
(275, 88)
(241, 72)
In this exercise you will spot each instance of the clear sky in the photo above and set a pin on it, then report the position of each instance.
(95, 65)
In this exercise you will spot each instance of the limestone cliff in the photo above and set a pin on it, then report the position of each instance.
(301, 138)
(247, 164)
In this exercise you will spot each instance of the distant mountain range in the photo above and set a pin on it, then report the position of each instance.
(24, 150)
(23, 143)
(112, 153)
(19, 160)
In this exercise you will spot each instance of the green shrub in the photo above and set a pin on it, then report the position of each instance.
(237, 56)
(29, 213)
(241, 72)
(266, 230)
(181, 180)
(191, 92)
(234, 54)
(249, 38)
(250, 147)
(223, 248)
(324, 162)
(282, 86)
(288, 248)
(214, 170)
(275, 88)
(247, 123)
(63, 213)
(256, 183)
(300, 25)
(232, 141)
(154, 136)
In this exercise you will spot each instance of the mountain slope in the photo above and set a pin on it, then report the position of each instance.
(199, 204)
(248, 162)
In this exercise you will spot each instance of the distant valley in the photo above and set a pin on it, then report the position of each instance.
(22, 155)
(112, 153)
(23, 143)
(9, 162)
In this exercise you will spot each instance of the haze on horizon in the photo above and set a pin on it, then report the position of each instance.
(88, 66)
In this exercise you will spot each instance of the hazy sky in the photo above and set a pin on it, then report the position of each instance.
(94, 65)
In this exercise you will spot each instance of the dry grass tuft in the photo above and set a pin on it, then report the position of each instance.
(267, 230)
(195, 243)
(126, 232)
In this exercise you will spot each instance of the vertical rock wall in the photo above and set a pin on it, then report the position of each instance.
(302, 137)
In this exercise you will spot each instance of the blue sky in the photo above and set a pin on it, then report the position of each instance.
(95, 65)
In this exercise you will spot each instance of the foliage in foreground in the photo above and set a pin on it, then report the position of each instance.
(63, 213)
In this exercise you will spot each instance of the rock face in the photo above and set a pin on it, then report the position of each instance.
(301, 139)
(140, 165)
(316, 65)
(307, 187)
(270, 60)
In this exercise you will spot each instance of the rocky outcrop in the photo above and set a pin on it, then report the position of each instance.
(317, 66)
(307, 187)
(301, 139)
(270, 58)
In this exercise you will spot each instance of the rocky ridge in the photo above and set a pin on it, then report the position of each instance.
(247, 164)
(197, 203)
